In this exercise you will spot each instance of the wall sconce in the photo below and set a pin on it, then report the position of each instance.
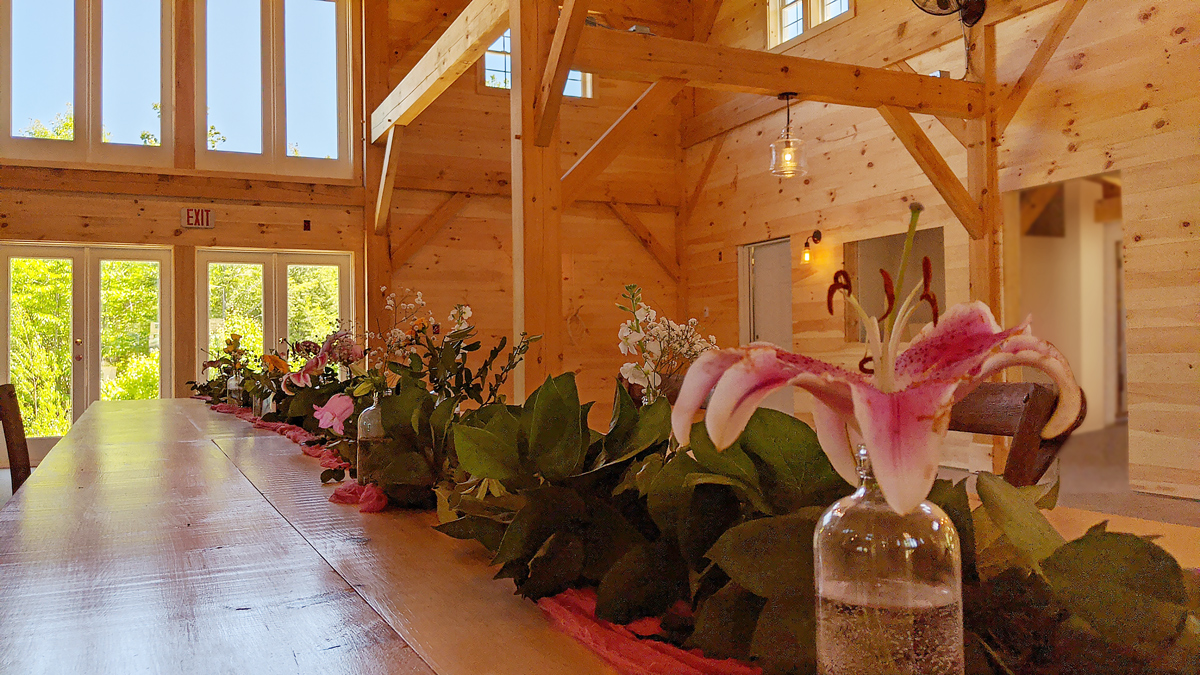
(787, 153)
(815, 238)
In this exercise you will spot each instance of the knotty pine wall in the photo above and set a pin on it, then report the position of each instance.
(461, 143)
(1120, 94)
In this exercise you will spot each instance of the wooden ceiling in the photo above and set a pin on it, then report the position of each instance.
(414, 25)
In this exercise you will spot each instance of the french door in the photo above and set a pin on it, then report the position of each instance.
(267, 297)
(81, 324)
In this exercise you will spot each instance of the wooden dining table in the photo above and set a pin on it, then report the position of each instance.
(163, 537)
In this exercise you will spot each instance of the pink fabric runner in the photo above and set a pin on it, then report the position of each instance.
(574, 613)
(369, 498)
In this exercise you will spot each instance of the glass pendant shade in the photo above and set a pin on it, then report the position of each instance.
(889, 587)
(787, 156)
(371, 437)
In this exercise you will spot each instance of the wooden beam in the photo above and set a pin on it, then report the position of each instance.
(935, 167)
(689, 206)
(632, 122)
(1108, 210)
(630, 56)
(1034, 203)
(536, 201)
(1041, 58)
(651, 243)
(420, 235)
(463, 43)
(562, 51)
(704, 18)
(183, 273)
(955, 125)
(387, 181)
(183, 104)
(725, 117)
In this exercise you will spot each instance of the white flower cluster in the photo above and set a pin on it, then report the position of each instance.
(664, 348)
(459, 317)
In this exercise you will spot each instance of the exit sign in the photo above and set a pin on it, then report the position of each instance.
(197, 219)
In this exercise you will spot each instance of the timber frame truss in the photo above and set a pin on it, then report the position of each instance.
(976, 113)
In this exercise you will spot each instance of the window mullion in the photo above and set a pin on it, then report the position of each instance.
(275, 92)
(84, 111)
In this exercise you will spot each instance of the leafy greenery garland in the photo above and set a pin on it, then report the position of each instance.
(730, 533)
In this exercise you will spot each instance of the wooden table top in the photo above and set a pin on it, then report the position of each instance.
(161, 537)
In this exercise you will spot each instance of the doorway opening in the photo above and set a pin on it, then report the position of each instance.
(765, 303)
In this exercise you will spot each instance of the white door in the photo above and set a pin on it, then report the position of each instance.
(766, 303)
(81, 324)
(267, 297)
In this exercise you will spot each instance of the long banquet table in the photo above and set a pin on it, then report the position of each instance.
(162, 537)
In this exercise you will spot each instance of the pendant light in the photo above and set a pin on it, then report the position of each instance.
(787, 153)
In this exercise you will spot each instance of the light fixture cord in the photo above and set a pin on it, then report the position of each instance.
(788, 99)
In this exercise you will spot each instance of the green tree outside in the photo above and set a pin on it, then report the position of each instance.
(312, 302)
(40, 343)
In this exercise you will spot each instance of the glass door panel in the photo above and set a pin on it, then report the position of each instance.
(235, 305)
(130, 330)
(40, 330)
(313, 301)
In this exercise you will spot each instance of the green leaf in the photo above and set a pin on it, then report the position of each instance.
(1016, 515)
(607, 538)
(952, 498)
(485, 454)
(302, 403)
(547, 510)
(785, 638)
(406, 468)
(624, 417)
(747, 492)
(1127, 588)
(725, 623)
(483, 530)
(669, 492)
(556, 445)
(732, 461)
(771, 557)
(712, 511)
(640, 475)
(795, 471)
(555, 567)
(644, 582)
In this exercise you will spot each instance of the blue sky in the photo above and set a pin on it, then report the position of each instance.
(43, 64)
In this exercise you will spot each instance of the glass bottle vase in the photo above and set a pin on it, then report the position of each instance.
(889, 587)
(371, 435)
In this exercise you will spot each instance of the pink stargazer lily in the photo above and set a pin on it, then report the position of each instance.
(903, 423)
(901, 409)
(303, 378)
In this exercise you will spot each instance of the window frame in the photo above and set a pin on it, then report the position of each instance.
(88, 147)
(587, 85)
(274, 158)
(275, 292)
(811, 8)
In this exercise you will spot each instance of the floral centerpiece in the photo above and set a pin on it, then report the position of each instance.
(664, 349)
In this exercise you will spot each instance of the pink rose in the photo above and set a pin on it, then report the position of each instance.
(373, 499)
(333, 415)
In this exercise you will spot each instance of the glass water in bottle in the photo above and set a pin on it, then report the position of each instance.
(371, 436)
(889, 587)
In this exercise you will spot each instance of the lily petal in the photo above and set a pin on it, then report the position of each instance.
(764, 369)
(904, 432)
(836, 440)
(1027, 350)
(697, 384)
(962, 338)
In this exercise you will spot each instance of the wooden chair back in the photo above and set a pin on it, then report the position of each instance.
(1019, 410)
(14, 436)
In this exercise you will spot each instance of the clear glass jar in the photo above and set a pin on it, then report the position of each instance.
(234, 393)
(371, 435)
(889, 587)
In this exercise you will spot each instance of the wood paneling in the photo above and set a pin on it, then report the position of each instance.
(1119, 94)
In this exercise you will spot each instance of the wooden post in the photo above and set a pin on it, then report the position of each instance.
(183, 108)
(536, 200)
(183, 271)
(983, 178)
(377, 248)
